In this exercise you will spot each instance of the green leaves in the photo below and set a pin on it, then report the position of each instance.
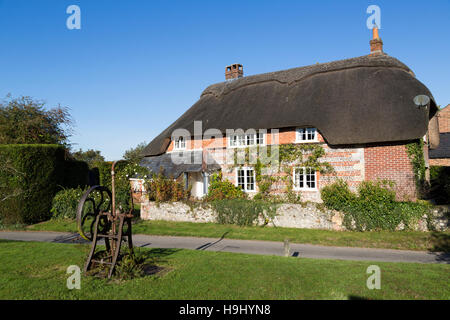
(25, 121)
(243, 212)
(373, 207)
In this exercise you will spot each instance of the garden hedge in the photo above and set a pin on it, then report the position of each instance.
(30, 176)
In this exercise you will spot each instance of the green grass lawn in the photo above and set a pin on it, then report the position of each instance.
(32, 270)
(407, 240)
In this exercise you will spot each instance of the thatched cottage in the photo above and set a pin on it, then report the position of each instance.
(361, 111)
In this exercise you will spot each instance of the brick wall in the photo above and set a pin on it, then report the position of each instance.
(391, 162)
(353, 164)
(444, 119)
(440, 162)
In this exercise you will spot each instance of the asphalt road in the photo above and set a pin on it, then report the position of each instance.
(247, 246)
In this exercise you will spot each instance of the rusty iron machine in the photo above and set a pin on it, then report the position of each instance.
(99, 218)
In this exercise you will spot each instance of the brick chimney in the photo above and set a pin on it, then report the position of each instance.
(376, 44)
(234, 71)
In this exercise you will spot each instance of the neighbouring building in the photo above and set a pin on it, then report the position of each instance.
(440, 156)
(361, 111)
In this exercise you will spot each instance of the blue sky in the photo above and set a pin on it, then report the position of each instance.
(136, 66)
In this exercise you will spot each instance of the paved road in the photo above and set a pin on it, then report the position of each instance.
(247, 246)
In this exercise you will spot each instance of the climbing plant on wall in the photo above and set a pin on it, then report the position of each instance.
(416, 156)
(289, 155)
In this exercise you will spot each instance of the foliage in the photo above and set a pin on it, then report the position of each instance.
(162, 189)
(220, 189)
(416, 156)
(131, 265)
(134, 155)
(289, 155)
(65, 203)
(91, 157)
(373, 208)
(30, 175)
(25, 121)
(440, 184)
(76, 174)
(243, 212)
(337, 196)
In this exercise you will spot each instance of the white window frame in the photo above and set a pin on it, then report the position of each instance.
(242, 140)
(305, 179)
(179, 143)
(299, 132)
(246, 169)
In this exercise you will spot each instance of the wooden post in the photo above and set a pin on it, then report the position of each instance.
(287, 248)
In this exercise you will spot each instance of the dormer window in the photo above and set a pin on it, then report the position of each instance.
(180, 144)
(306, 135)
(246, 140)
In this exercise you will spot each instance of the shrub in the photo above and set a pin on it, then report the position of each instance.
(220, 189)
(373, 208)
(243, 212)
(65, 203)
(337, 196)
(162, 189)
(30, 175)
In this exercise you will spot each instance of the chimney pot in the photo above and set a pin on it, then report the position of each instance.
(376, 44)
(234, 71)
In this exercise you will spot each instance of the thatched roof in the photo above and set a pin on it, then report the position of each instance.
(355, 101)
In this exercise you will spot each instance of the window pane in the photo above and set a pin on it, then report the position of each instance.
(250, 180)
(233, 140)
(250, 139)
(311, 133)
(241, 178)
(241, 140)
(260, 138)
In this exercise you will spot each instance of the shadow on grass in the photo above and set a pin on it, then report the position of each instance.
(440, 242)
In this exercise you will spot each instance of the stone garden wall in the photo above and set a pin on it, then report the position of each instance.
(309, 216)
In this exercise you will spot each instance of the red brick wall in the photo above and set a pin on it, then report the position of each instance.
(440, 162)
(391, 162)
(444, 119)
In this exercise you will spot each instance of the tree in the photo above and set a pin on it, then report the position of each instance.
(25, 121)
(92, 157)
(134, 155)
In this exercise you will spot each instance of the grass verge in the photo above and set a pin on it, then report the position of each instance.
(32, 270)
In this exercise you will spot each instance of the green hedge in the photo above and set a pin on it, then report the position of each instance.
(373, 207)
(30, 176)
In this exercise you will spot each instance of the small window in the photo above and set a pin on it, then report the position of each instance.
(180, 143)
(246, 140)
(306, 134)
(246, 179)
(305, 178)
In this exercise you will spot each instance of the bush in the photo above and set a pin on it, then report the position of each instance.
(30, 175)
(220, 189)
(373, 208)
(162, 189)
(243, 212)
(76, 174)
(337, 196)
(65, 203)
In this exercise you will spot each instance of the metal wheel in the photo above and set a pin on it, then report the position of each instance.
(94, 201)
